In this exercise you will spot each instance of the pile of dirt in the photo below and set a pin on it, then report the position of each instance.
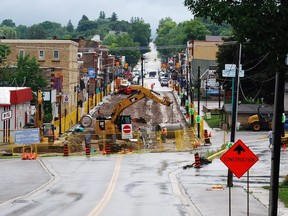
(148, 111)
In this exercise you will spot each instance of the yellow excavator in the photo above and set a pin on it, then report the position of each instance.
(112, 124)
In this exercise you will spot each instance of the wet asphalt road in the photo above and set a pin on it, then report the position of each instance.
(142, 184)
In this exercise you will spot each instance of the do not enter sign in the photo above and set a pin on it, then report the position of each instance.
(127, 131)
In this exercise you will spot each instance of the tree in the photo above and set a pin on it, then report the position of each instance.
(8, 22)
(257, 76)
(140, 31)
(28, 73)
(195, 29)
(22, 32)
(263, 24)
(36, 32)
(102, 15)
(70, 27)
(116, 41)
(85, 24)
(4, 52)
(114, 17)
(8, 32)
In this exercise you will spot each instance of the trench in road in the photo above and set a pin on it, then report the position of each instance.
(107, 196)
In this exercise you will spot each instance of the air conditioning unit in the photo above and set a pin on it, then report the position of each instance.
(79, 55)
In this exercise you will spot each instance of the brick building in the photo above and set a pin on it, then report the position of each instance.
(58, 60)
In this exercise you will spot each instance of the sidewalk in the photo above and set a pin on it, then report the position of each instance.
(210, 196)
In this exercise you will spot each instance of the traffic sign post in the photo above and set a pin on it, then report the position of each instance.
(239, 159)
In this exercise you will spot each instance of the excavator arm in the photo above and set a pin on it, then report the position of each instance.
(139, 92)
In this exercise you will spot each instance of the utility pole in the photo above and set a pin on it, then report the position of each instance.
(198, 112)
(142, 60)
(276, 141)
(234, 114)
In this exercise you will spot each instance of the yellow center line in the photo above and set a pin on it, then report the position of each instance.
(107, 196)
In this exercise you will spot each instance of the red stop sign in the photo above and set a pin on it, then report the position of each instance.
(126, 128)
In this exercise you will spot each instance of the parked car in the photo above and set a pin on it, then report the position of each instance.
(164, 82)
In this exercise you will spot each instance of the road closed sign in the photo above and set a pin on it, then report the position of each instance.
(239, 158)
(127, 131)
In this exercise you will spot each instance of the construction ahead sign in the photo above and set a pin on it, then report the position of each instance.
(239, 158)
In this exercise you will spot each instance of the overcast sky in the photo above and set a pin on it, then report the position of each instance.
(29, 12)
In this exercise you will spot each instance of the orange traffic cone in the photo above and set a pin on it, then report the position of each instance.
(24, 156)
(34, 156)
(197, 161)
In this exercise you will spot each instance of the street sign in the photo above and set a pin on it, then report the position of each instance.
(198, 119)
(239, 158)
(232, 73)
(127, 131)
(191, 111)
(27, 136)
(6, 115)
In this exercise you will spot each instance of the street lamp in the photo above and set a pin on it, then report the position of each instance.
(60, 111)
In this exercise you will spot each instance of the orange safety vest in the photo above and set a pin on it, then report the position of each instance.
(164, 131)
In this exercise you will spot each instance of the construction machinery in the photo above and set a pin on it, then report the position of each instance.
(260, 121)
(111, 125)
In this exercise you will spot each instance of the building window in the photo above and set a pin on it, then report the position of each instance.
(56, 54)
(21, 53)
(41, 54)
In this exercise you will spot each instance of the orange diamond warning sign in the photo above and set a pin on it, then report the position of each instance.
(239, 158)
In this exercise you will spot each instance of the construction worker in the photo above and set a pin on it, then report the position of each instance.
(270, 134)
(164, 134)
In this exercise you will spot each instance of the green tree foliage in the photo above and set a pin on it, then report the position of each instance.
(120, 26)
(170, 33)
(8, 32)
(86, 26)
(70, 27)
(22, 32)
(195, 29)
(223, 30)
(52, 29)
(102, 15)
(28, 73)
(140, 31)
(36, 32)
(263, 26)
(113, 17)
(116, 42)
(257, 76)
(8, 22)
(4, 52)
